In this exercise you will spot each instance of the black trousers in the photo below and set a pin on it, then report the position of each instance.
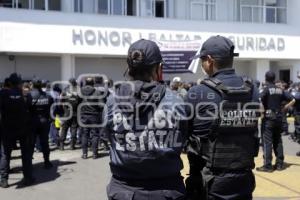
(41, 129)
(230, 185)
(6, 150)
(285, 125)
(162, 189)
(194, 183)
(73, 125)
(272, 140)
(90, 132)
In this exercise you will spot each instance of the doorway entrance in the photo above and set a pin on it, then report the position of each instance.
(285, 75)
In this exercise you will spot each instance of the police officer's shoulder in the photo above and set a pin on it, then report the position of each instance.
(202, 92)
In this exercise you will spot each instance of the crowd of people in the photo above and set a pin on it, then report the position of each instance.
(37, 115)
(146, 127)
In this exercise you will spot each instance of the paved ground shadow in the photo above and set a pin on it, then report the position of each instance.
(41, 174)
(287, 165)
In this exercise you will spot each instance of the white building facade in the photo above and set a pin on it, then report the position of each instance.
(59, 39)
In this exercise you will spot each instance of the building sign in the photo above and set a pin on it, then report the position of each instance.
(117, 38)
(178, 46)
(258, 44)
(178, 55)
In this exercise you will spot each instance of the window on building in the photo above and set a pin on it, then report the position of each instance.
(32, 4)
(78, 5)
(117, 7)
(26, 4)
(159, 8)
(39, 5)
(54, 5)
(131, 7)
(275, 11)
(103, 6)
(153, 8)
(6, 3)
(88, 6)
(269, 11)
(146, 8)
(203, 9)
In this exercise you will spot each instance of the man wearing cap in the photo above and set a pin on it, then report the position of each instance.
(40, 114)
(146, 127)
(223, 130)
(14, 110)
(272, 98)
(89, 116)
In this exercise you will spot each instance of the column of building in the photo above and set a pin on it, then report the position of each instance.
(262, 66)
(67, 60)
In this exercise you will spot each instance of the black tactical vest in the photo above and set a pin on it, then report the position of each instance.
(233, 142)
(41, 104)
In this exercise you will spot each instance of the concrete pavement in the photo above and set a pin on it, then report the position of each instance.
(75, 179)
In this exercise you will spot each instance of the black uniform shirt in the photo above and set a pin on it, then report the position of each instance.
(273, 96)
(206, 101)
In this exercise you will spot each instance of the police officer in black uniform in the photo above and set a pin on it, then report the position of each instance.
(70, 96)
(223, 130)
(40, 113)
(296, 95)
(15, 118)
(272, 98)
(146, 131)
(102, 87)
(90, 115)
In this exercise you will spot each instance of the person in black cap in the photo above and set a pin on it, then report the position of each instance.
(90, 116)
(15, 118)
(223, 134)
(146, 130)
(41, 120)
(272, 98)
(70, 95)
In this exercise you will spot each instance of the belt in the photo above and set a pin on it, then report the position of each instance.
(133, 180)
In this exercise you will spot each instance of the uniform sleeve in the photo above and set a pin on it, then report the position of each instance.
(287, 96)
(51, 108)
(204, 111)
(107, 114)
(255, 94)
(263, 94)
(29, 103)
